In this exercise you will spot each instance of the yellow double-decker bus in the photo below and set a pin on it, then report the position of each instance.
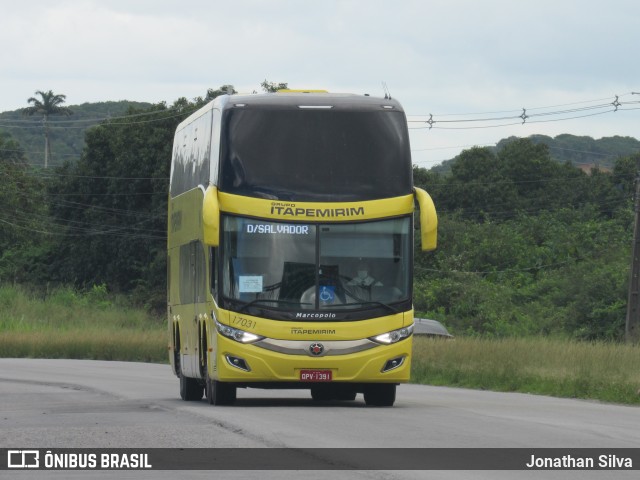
(290, 247)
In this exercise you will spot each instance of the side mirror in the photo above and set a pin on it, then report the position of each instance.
(211, 217)
(428, 220)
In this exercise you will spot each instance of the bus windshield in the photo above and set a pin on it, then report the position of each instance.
(293, 154)
(284, 267)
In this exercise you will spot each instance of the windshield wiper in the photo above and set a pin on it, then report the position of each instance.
(269, 300)
(364, 303)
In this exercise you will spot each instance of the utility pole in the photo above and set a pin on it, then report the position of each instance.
(632, 330)
(47, 149)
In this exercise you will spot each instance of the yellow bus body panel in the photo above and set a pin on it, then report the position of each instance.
(428, 220)
(315, 212)
(270, 366)
(211, 217)
(307, 329)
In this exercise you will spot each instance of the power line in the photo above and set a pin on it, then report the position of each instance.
(563, 180)
(88, 231)
(46, 173)
(518, 110)
(37, 153)
(178, 110)
(509, 270)
(452, 147)
(101, 194)
(518, 117)
(106, 121)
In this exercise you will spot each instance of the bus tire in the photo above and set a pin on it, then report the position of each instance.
(190, 389)
(380, 394)
(220, 393)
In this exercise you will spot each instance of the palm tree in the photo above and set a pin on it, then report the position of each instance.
(49, 104)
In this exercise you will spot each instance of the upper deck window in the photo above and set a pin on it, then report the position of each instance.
(315, 154)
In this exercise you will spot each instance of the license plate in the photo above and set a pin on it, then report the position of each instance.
(316, 375)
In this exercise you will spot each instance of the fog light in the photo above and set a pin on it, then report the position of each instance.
(393, 364)
(237, 362)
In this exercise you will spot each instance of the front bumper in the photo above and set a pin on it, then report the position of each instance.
(371, 365)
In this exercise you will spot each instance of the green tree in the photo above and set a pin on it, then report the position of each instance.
(272, 87)
(22, 213)
(527, 245)
(111, 207)
(113, 204)
(539, 181)
(478, 186)
(624, 175)
(49, 104)
(223, 90)
(211, 94)
(10, 151)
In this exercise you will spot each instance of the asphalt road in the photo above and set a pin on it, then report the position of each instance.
(97, 404)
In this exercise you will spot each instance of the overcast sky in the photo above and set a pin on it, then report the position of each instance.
(455, 59)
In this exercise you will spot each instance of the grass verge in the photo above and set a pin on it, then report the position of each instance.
(65, 324)
(601, 371)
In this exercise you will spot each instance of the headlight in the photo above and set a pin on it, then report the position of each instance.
(238, 335)
(393, 336)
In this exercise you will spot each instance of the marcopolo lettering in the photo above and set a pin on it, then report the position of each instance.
(315, 315)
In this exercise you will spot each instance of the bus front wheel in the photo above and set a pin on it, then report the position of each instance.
(380, 394)
(220, 393)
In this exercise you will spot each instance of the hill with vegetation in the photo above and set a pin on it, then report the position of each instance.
(582, 151)
(528, 245)
(67, 132)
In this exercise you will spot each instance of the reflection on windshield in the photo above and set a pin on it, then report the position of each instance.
(351, 150)
(315, 267)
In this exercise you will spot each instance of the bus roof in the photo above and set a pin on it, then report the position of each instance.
(339, 101)
(295, 100)
(292, 145)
